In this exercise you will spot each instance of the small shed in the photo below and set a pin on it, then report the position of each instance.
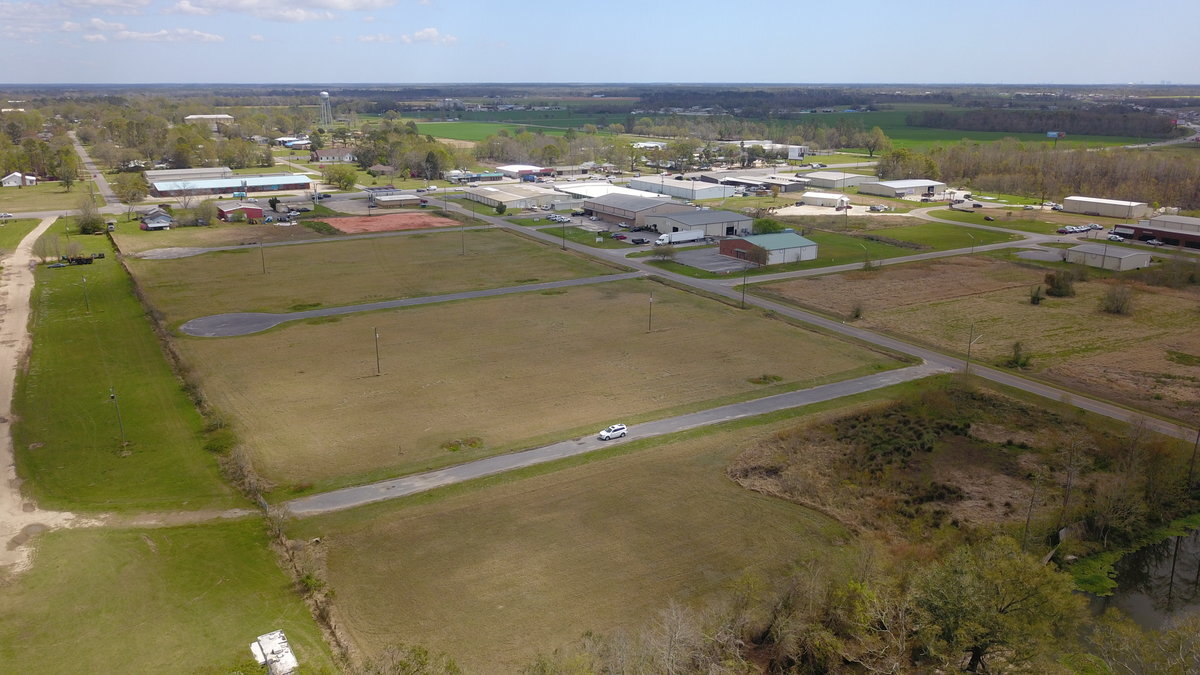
(824, 199)
(1114, 258)
(782, 247)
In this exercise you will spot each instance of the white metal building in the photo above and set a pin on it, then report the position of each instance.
(714, 223)
(518, 170)
(824, 199)
(691, 189)
(599, 189)
(899, 189)
(836, 180)
(514, 196)
(1108, 257)
(1113, 208)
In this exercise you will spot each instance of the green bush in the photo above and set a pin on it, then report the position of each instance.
(1060, 284)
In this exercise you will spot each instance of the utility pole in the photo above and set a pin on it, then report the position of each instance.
(745, 273)
(87, 305)
(1192, 464)
(112, 396)
(378, 371)
(972, 241)
(971, 341)
(263, 256)
(650, 320)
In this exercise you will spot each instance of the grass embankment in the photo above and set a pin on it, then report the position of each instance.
(504, 569)
(351, 271)
(329, 422)
(152, 600)
(67, 436)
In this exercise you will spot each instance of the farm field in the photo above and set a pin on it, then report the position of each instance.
(67, 437)
(46, 196)
(495, 574)
(1150, 358)
(152, 600)
(451, 392)
(132, 240)
(351, 271)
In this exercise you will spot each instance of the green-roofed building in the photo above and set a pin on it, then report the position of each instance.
(783, 247)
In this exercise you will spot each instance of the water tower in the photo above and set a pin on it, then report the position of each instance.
(326, 110)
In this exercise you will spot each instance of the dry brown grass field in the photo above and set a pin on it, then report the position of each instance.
(351, 271)
(495, 575)
(1140, 359)
(513, 371)
(132, 240)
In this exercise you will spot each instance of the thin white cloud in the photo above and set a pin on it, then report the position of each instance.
(19, 20)
(70, 27)
(257, 38)
(105, 26)
(368, 19)
(431, 35)
(377, 37)
(172, 35)
(279, 10)
(94, 37)
(108, 6)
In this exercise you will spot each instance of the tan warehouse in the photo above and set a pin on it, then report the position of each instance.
(514, 196)
(1113, 208)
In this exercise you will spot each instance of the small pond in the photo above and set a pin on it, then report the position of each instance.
(1158, 582)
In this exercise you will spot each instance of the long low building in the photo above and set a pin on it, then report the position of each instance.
(776, 249)
(836, 180)
(521, 170)
(595, 189)
(522, 196)
(203, 173)
(1108, 257)
(224, 186)
(1170, 230)
(684, 189)
(824, 199)
(1113, 208)
(616, 208)
(898, 189)
(714, 223)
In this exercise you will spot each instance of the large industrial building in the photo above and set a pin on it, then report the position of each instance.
(514, 196)
(161, 175)
(616, 208)
(1170, 230)
(224, 186)
(592, 190)
(782, 247)
(1113, 208)
(898, 189)
(1108, 257)
(684, 189)
(519, 171)
(712, 223)
(209, 121)
(836, 180)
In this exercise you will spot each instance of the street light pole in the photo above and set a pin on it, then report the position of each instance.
(650, 319)
(971, 341)
(87, 305)
(112, 396)
(972, 241)
(866, 256)
(378, 372)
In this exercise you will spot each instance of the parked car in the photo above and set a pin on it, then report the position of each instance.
(1095, 226)
(1115, 237)
(593, 218)
(618, 235)
(877, 208)
(614, 431)
(1056, 207)
(578, 212)
(324, 195)
(1028, 207)
(56, 265)
(304, 209)
(977, 205)
(1154, 242)
(639, 241)
(623, 226)
(7, 215)
(989, 218)
(1065, 230)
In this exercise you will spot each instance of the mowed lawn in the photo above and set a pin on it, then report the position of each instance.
(46, 196)
(352, 271)
(944, 237)
(513, 371)
(67, 436)
(183, 599)
(495, 575)
(13, 231)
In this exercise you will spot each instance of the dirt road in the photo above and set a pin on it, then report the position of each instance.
(19, 519)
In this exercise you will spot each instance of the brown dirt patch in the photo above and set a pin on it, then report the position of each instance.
(391, 222)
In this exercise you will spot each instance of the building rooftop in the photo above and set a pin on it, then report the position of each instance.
(830, 175)
(629, 202)
(909, 183)
(779, 240)
(699, 217)
(516, 168)
(1109, 251)
(1098, 200)
(510, 193)
(249, 181)
(598, 189)
(823, 195)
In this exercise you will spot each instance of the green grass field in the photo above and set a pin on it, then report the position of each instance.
(67, 437)
(581, 357)
(351, 271)
(496, 574)
(13, 231)
(132, 240)
(477, 131)
(943, 237)
(47, 196)
(179, 599)
(580, 236)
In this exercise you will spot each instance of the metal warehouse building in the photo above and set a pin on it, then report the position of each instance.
(836, 180)
(783, 247)
(824, 199)
(593, 190)
(514, 196)
(1113, 208)
(225, 186)
(626, 209)
(1108, 257)
(902, 188)
(684, 189)
(1170, 230)
(712, 223)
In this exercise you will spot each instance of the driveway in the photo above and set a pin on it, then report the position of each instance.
(709, 260)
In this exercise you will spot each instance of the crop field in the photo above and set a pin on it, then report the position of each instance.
(496, 574)
(46, 196)
(67, 436)
(459, 379)
(1150, 358)
(153, 600)
(132, 240)
(351, 271)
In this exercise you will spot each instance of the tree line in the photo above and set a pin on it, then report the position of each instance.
(1102, 121)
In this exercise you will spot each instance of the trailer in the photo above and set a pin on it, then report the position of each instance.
(680, 237)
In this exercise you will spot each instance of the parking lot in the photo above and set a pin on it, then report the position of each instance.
(709, 260)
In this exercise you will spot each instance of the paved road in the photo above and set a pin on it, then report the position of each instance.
(90, 167)
(246, 323)
(390, 489)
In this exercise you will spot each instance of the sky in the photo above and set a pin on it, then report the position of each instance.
(610, 41)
